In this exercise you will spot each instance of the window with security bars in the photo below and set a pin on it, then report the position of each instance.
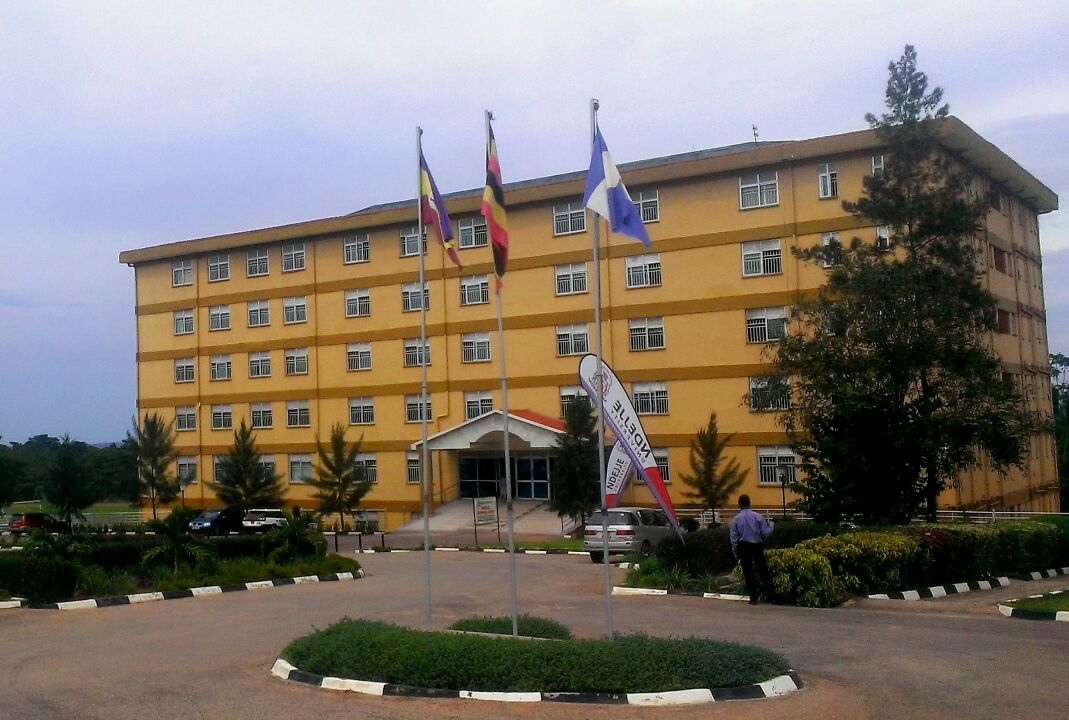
(219, 317)
(650, 398)
(571, 278)
(186, 469)
(648, 205)
(572, 340)
(477, 403)
(292, 256)
(759, 190)
(646, 333)
(766, 324)
(296, 361)
(183, 370)
(769, 393)
(220, 367)
(300, 468)
(361, 410)
(185, 417)
(643, 270)
(831, 249)
(568, 394)
(475, 347)
(297, 413)
(256, 262)
(415, 353)
(356, 249)
(222, 417)
(660, 455)
(883, 237)
(877, 164)
(412, 468)
(827, 180)
(569, 218)
(294, 310)
(411, 297)
(181, 273)
(183, 322)
(259, 313)
(412, 408)
(358, 302)
(474, 290)
(260, 364)
(761, 257)
(770, 459)
(410, 242)
(367, 467)
(358, 356)
(217, 467)
(472, 232)
(218, 268)
(261, 414)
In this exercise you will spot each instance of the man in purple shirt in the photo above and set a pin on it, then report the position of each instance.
(748, 532)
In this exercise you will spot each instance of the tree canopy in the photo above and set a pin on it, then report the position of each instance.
(68, 487)
(576, 489)
(340, 482)
(713, 477)
(154, 443)
(244, 480)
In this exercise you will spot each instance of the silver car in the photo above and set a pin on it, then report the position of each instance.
(260, 519)
(631, 530)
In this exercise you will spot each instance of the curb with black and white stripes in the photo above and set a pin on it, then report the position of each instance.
(1027, 614)
(625, 591)
(519, 551)
(777, 686)
(938, 591)
(13, 603)
(1042, 574)
(139, 598)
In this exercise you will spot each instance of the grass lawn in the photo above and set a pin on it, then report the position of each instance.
(111, 507)
(1051, 602)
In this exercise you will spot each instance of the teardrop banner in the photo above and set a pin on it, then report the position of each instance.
(620, 414)
(619, 471)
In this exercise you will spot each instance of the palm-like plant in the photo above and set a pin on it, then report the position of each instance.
(296, 537)
(77, 545)
(176, 546)
(339, 481)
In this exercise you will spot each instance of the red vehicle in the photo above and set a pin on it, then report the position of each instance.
(23, 523)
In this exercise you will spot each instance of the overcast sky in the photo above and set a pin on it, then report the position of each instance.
(127, 124)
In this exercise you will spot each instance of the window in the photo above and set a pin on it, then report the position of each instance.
(472, 232)
(660, 455)
(765, 324)
(357, 303)
(769, 393)
(220, 367)
(358, 356)
(769, 459)
(761, 257)
(827, 181)
(643, 270)
(222, 417)
(217, 467)
(267, 465)
(297, 414)
(256, 262)
(569, 218)
(759, 190)
(294, 310)
(410, 242)
(833, 249)
(477, 403)
(1000, 260)
(571, 279)
(474, 290)
(356, 248)
(186, 469)
(1007, 322)
(367, 466)
(568, 394)
(297, 361)
(411, 295)
(650, 398)
(572, 340)
(361, 410)
(292, 256)
(260, 364)
(415, 353)
(259, 313)
(877, 164)
(183, 370)
(262, 417)
(648, 205)
(181, 273)
(218, 268)
(412, 408)
(996, 200)
(185, 418)
(300, 468)
(412, 468)
(646, 333)
(475, 347)
(219, 317)
(883, 237)
(183, 322)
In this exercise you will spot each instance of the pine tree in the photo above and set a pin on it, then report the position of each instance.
(154, 443)
(576, 488)
(712, 484)
(244, 480)
(339, 482)
(68, 488)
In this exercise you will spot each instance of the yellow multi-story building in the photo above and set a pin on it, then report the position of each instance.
(295, 328)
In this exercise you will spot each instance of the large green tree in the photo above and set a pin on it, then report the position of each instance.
(576, 488)
(11, 474)
(1060, 399)
(244, 480)
(895, 388)
(713, 477)
(154, 441)
(340, 482)
(114, 469)
(68, 487)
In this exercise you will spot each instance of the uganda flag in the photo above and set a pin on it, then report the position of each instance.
(493, 208)
(432, 209)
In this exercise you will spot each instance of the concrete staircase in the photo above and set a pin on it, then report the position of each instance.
(532, 517)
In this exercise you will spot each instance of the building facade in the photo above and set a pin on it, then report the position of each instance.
(295, 328)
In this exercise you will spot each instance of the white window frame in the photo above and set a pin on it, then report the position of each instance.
(261, 415)
(294, 310)
(293, 256)
(182, 272)
(185, 370)
(218, 317)
(646, 333)
(356, 249)
(222, 417)
(760, 189)
(220, 367)
(568, 394)
(412, 468)
(296, 360)
(650, 398)
(883, 237)
(260, 364)
(412, 355)
(358, 303)
(648, 204)
(185, 418)
(474, 289)
(298, 414)
(358, 357)
(477, 403)
(475, 347)
(300, 468)
(757, 384)
(412, 408)
(826, 240)
(261, 310)
(767, 324)
(660, 456)
(411, 296)
(762, 257)
(257, 262)
(573, 339)
(877, 164)
(362, 410)
(827, 181)
(570, 279)
(643, 270)
(219, 267)
(771, 457)
(569, 218)
(184, 323)
(185, 470)
(408, 239)
(367, 462)
(472, 232)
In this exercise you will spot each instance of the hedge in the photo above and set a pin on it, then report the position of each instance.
(526, 625)
(708, 552)
(37, 578)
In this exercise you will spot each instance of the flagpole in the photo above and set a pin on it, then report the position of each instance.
(505, 428)
(424, 465)
(601, 396)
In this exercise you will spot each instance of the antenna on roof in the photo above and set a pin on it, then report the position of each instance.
(754, 132)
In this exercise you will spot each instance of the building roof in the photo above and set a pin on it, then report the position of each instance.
(956, 136)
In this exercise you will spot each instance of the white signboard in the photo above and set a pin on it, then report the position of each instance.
(485, 510)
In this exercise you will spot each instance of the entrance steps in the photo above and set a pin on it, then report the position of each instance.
(531, 517)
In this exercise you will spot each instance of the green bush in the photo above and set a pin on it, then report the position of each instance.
(387, 653)
(111, 553)
(868, 562)
(652, 573)
(237, 546)
(526, 625)
(708, 552)
(243, 570)
(36, 577)
(802, 577)
(94, 581)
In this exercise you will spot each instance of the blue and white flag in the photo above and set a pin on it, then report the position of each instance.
(606, 195)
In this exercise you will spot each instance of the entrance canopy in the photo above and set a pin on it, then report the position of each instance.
(527, 430)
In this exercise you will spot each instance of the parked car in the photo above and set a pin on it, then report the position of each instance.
(217, 522)
(260, 519)
(23, 523)
(631, 530)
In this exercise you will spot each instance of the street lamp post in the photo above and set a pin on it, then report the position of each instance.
(781, 472)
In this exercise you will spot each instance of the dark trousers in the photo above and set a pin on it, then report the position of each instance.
(752, 555)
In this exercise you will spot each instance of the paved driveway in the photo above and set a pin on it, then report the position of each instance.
(209, 657)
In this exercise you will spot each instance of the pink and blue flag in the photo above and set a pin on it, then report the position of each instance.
(606, 195)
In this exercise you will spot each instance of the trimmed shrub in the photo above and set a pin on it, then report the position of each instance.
(237, 546)
(802, 577)
(37, 578)
(526, 625)
(708, 552)
(867, 562)
(652, 573)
